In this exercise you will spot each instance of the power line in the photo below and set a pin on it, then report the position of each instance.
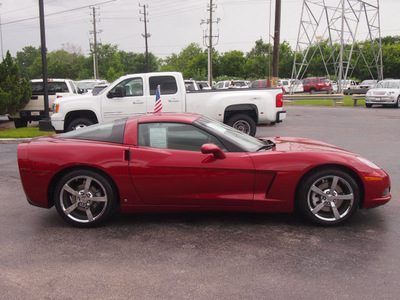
(57, 13)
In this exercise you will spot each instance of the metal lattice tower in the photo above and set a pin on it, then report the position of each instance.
(349, 29)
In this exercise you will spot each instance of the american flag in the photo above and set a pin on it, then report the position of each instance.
(158, 104)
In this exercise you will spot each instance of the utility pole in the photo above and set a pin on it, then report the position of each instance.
(1, 37)
(95, 54)
(145, 35)
(275, 61)
(208, 39)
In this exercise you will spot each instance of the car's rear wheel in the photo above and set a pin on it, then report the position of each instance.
(312, 91)
(328, 197)
(79, 123)
(84, 198)
(243, 123)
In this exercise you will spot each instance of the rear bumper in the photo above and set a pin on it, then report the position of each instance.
(280, 116)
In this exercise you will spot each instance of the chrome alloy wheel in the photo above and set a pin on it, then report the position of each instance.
(330, 198)
(83, 199)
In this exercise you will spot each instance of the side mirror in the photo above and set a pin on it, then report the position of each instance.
(117, 93)
(213, 149)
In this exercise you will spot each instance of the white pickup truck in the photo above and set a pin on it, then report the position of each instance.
(133, 94)
(34, 109)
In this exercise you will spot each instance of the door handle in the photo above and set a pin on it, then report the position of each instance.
(138, 102)
(173, 100)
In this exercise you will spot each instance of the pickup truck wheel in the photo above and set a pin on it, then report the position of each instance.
(19, 123)
(243, 123)
(368, 105)
(79, 123)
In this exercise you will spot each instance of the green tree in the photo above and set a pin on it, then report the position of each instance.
(25, 59)
(180, 62)
(231, 64)
(15, 91)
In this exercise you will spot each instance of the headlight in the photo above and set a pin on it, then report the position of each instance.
(368, 163)
(390, 93)
(369, 93)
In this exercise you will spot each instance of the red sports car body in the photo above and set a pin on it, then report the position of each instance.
(186, 162)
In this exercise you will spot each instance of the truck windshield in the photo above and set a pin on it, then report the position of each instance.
(245, 141)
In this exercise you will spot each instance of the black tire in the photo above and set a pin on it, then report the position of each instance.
(85, 198)
(328, 197)
(397, 104)
(312, 91)
(79, 123)
(19, 123)
(243, 123)
(368, 105)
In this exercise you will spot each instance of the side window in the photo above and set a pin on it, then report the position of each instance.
(175, 136)
(167, 85)
(131, 87)
(315, 80)
(263, 84)
(306, 81)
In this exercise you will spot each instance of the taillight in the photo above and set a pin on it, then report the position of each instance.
(279, 100)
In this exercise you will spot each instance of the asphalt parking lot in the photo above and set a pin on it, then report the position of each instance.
(219, 255)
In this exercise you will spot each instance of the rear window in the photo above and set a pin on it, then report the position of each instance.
(112, 132)
(167, 85)
(52, 86)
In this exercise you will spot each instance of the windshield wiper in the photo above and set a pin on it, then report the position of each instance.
(268, 145)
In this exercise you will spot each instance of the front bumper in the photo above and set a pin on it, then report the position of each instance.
(380, 100)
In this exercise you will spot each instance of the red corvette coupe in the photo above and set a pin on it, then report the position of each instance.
(179, 162)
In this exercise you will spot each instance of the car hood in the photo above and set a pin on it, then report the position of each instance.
(382, 91)
(74, 98)
(295, 144)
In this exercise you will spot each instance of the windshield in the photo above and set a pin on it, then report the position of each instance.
(388, 85)
(245, 141)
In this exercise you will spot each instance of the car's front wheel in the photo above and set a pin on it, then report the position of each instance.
(397, 104)
(328, 197)
(84, 198)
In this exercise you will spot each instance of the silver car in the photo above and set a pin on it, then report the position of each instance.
(385, 92)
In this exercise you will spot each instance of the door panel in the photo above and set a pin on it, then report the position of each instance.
(133, 101)
(174, 177)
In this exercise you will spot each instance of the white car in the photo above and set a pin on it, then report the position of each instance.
(291, 85)
(231, 84)
(87, 85)
(385, 92)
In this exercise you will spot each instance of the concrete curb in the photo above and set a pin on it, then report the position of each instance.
(14, 141)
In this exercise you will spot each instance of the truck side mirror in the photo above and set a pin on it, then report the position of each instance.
(117, 93)
(213, 149)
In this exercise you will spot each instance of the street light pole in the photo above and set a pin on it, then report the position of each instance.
(44, 125)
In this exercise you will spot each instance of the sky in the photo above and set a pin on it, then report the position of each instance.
(172, 24)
